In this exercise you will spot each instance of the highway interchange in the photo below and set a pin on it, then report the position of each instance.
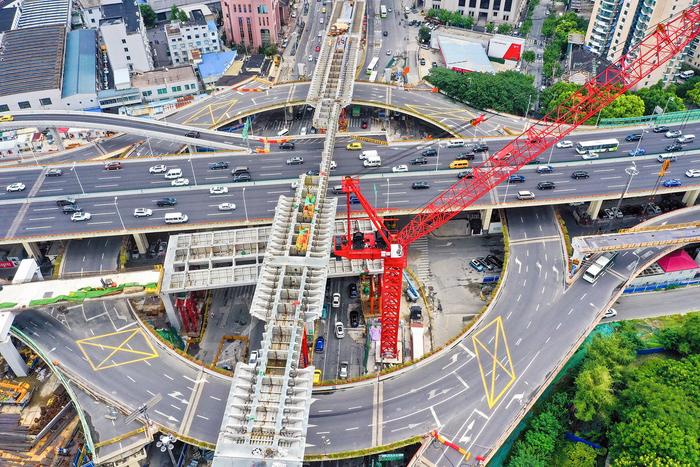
(133, 186)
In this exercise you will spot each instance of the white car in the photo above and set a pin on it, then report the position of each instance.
(339, 330)
(143, 212)
(180, 182)
(311, 58)
(218, 190)
(295, 184)
(611, 313)
(399, 168)
(673, 133)
(158, 169)
(19, 186)
(565, 144)
(334, 165)
(692, 173)
(388, 52)
(227, 207)
(336, 300)
(590, 155)
(80, 216)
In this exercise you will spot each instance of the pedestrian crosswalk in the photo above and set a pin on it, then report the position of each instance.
(422, 263)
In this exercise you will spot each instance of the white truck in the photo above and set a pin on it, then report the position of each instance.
(372, 160)
(364, 154)
(596, 269)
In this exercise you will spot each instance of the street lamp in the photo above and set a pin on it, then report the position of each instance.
(245, 206)
(75, 171)
(166, 444)
(631, 171)
(437, 161)
(639, 142)
(505, 196)
(192, 167)
(116, 206)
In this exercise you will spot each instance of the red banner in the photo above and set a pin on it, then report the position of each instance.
(6, 264)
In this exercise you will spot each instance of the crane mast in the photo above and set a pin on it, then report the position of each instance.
(667, 40)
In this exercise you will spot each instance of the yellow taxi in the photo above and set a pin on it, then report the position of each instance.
(354, 146)
(6, 118)
(459, 164)
(317, 376)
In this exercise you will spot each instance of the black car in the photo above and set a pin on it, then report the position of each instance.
(487, 264)
(674, 147)
(429, 153)
(660, 129)
(354, 319)
(352, 290)
(218, 165)
(546, 186)
(465, 156)
(244, 177)
(289, 145)
(480, 147)
(312, 172)
(192, 134)
(416, 313)
(169, 201)
(64, 202)
(633, 137)
(419, 161)
(71, 208)
(576, 174)
(385, 33)
(495, 261)
(422, 185)
(54, 173)
(469, 173)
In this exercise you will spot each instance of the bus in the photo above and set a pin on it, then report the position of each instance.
(373, 76)
(382, 11)
(596, 269)
(372, 65)
(599, 145)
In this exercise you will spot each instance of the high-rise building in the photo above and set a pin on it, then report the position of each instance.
(483, 11)
(252, 24)
(616, 26)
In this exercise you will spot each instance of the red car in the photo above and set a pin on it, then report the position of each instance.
(364, 124)
(318, 48)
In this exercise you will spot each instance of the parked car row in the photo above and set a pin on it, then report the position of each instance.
(486, 263)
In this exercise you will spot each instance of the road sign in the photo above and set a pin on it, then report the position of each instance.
(393, 456)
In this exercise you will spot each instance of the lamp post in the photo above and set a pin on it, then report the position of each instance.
(437, 161)
(75, 171)
(193, 175)
(631, 171)
(245, 206)
(505, 196)
(166, 444)
(639, 142)
(116, 206)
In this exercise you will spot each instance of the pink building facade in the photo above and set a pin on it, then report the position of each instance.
(253, 23)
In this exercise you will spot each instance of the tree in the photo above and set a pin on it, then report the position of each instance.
(424, 35)
(685, 339)
(579, 455)
(626, 105)
(149, 16)
(594, 397)
(694, 94)
(554, 95)
(504, 28)
(177, 14)
(529, 56)
(490, 27)
(269, 50)
(656, 96)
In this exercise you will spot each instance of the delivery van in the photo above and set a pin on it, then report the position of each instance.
(176, 218)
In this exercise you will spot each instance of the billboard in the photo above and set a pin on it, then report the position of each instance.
(506, 47)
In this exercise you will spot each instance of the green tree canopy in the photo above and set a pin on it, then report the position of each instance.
(684, 339)
(657, 95)
(594, 397)
(694, 94)
(504, 28)
(552, 96)
(451, 17)
(149, 16)
(627, 105)
(579, 455)
(424, 35)
(529, 56)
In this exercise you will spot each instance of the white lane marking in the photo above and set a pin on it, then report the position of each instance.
(202, 417)
(215, 398)
(517, 343)
(353, 428)
(437, 421)
(171, 379)
(558, 326)
(132, 379)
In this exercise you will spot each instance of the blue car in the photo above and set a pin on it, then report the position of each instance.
(516, 179)
(638, 152)
(672, 182)
(353, 199)
(545, 169)
(476, 265)
(320, 344)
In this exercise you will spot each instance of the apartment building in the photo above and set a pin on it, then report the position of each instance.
(252, 24)
(483, 11)
(187, 41)
(616, 26)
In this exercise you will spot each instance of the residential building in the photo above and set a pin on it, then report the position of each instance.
(80, 77)
(44, 13)
(483, 11)
(675, 267)
(252, 24)
(617, 26)
(124, 36)
(188, 40)
(168, 83)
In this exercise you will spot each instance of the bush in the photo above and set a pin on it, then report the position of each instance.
(451, 18)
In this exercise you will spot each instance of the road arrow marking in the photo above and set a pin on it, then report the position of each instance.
(410, 426)
(435, 392)
(453, 359)
(517, 261)
(516, 397)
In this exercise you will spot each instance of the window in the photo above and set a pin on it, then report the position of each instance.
(472, 4)
(187, 86)
(484, 4)
(162, 91)
(462, 3)
(505, 17)
(123, 41)
(496, 4)
(147, 93)
(45, 101)
(92, 20)
(509, 5)
(126, 49)
(176, 88)
(128, 57)
(4, 108)
(24, 105)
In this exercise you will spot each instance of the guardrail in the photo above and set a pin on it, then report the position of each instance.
(658, 119)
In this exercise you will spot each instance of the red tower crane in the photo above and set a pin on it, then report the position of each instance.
(666, 40)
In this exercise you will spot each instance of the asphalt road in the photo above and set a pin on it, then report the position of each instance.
(648, 305)
(91, 255)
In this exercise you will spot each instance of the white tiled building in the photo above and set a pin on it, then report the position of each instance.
(169, 83)
(188, 41)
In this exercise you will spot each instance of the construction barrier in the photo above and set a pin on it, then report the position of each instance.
(371, 140)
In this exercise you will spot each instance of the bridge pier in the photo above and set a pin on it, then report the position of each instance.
(486, 218)
(594, 208)
(170, 311)
(56, 138)
(32, 250)
(691, 197)
(7, 348)
(141, 243)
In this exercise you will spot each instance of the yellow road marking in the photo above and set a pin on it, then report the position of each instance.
(139, 355)
(483, 353)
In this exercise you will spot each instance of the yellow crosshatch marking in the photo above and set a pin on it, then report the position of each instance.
(116, 349)
(486, 346)
(435, 112)
(200, 117)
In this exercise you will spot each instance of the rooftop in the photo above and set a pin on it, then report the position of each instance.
(679, 260)
(156, 77)
(126, 10)
(32, 59)
(216, 63)
(44, 13)
(461, 55)
(80, 64)
(7, 18)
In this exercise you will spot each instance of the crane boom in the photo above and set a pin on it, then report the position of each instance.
(666, 40)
